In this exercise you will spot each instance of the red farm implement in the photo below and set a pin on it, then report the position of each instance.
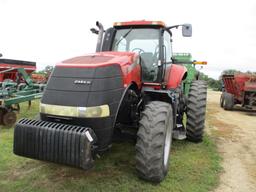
(7, 64)
(238, 89)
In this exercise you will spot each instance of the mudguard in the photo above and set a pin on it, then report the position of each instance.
(174, 76)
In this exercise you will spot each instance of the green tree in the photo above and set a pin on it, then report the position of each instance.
(46, 71)
(212, 83)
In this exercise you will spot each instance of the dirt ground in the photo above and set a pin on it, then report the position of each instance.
(235, 133)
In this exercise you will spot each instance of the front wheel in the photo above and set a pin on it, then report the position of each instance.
(154, 140)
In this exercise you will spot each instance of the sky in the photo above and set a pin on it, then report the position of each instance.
(49, 31)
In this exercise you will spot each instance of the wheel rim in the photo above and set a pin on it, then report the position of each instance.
(167, 145)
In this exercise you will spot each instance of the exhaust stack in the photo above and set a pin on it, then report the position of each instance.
(100, 36)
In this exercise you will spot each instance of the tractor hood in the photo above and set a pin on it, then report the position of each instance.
(100, 59)
(93, 79)
(89, 80)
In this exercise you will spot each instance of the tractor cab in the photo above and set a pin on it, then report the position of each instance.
(150, 39)
(145, 40)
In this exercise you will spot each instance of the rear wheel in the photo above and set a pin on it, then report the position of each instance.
(228, 102)
(196, 106)
(154, 141)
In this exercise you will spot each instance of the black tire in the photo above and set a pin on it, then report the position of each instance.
(222, 100)
(228, 101)
(196, 107)
(9, 118)
(154, 140)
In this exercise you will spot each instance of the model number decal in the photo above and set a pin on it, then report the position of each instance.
(82, 82)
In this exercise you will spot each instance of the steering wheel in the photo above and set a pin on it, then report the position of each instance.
(140, 50)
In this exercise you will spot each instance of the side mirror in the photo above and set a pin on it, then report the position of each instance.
(95, 31)
(186, 30)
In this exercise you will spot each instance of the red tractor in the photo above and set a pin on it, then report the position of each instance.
(129, 87)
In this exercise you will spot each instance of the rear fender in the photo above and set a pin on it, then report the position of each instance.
(175, 75)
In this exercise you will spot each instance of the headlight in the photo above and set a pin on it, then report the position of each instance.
(97, 111)
(90, 112)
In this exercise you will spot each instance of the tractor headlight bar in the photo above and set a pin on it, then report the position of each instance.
(70, 111)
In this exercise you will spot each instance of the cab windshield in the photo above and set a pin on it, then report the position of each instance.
(144, 42)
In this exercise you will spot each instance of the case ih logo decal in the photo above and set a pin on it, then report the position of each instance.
(82, 82)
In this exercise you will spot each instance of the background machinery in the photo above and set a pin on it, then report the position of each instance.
(131, 86)
(16, 87)
(192, 73)
(240, 89)
(7, 64)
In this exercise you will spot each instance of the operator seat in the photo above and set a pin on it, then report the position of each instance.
(147, 60)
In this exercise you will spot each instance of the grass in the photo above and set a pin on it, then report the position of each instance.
(193, 168)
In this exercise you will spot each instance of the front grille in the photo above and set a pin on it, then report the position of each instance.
(106, 86)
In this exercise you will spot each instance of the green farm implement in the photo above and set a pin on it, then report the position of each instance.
(192, 73)
(12, 93)
(189, 88)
